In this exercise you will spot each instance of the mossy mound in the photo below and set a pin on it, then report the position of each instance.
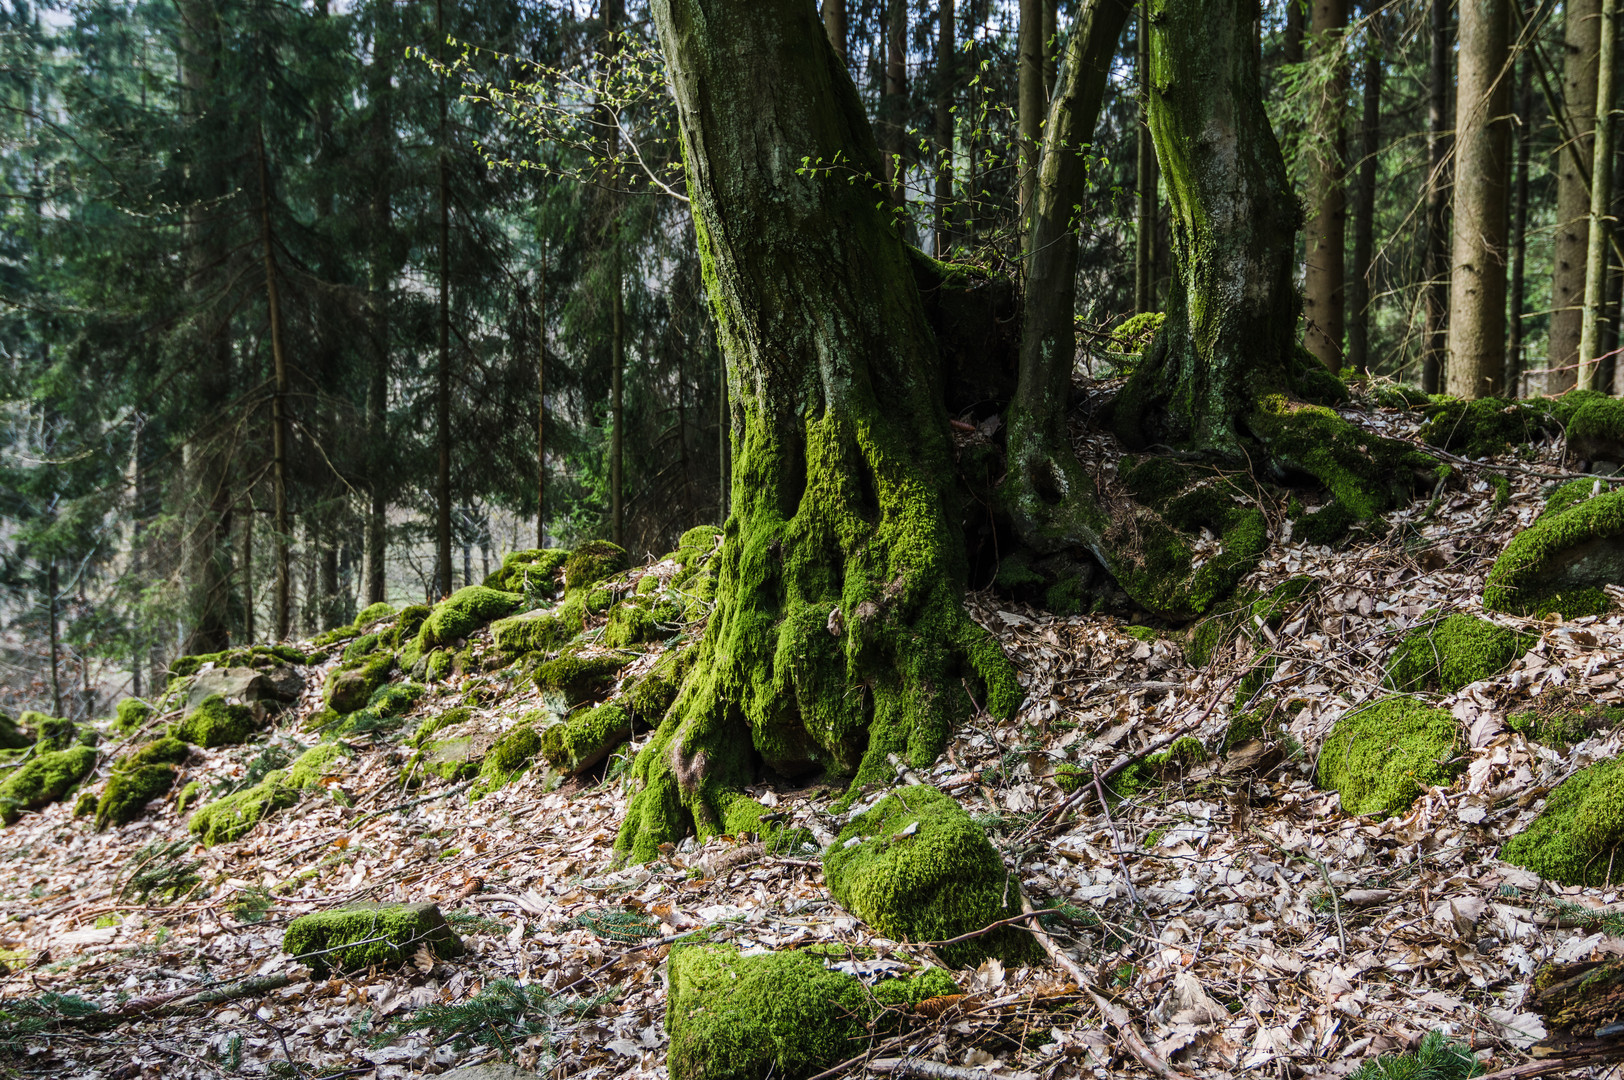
(374, 613)
(1575, 838)
(1561, 718)
(55, 732)
(381, 712)
(785, 1015)
(527, 572)
(1484, 427)
(360, 936)
(131, 714)
(631, 623)
(165, 751)
(129, 790)
(45, 778)
(1454, 653)
(216, 722)
(580, 677)
(228, 818)
(1134, 334)
(463, 612)
(916, 868)
(506, 760)
(13, 736)
(592, 562)
(1571, 494)
(407, 623)
(259, 657)
(352, 684)
(364, 645)
(1560, 562)
(1596, 431)
(1381, 757)
(587, 737)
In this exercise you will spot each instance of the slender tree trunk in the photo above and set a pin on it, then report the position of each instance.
(617, 329)
(1364, 210)
(1030, 100)
(1519, 226)
(1051, 49)
(1296, 22)
(1144, 254)
(1476, 362)
(380, 90)
(946, 57)
(541, 398)
(51, 586)
(247, 554)
(894, 109)
(279, 418)
(1601, 198)
(442, 377)
(1435, 266)
(1581, 51)
(1324, 291)
(834, 24)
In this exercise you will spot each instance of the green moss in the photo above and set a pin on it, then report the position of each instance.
(360, 936)
(1134, 334)
(432, 724)
(130, 789)
(631, 624)
(214, 722)
(352, 684)
(506, 760)
(52, 732)
(463, 612)
(408, 624)
(1574, 839)
(165, 751)
(1183, 752)
(1484, 427)
(541, 631)
(580, 678)
(131, 714)
(188, 797)
(1571, 494)
(1382, 756)
(942, 880)
(1397, 396)
(44, 779)
(587, 737)
(1244, 727)
(1560, 562)
(361, 646)
(782, 1015)
(374, 613)
(592, 562)
(439, 665)
(1448, 655)
(1596, 430)
(14, 736)
(258, 657)
(230, 817)
(528, 571)
(1142, 633)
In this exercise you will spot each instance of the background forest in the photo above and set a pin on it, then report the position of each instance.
(304, 307)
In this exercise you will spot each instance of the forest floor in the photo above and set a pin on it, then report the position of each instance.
(1202, 906)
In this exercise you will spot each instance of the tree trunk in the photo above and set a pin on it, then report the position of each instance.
(1051, 48)
(51, 586)
(1364, 209)
(1029, 100)
(1601, 197)
(279, 393)
(945, 57)
(541, 398)
(442, 375)
(1435, 268)
(1323, 294)
(617, 307)
(379, 90)
(1476, 361)
(839, 634)
(1581, 49)
(1519, 226)
(1296, 20)
(834, 24)
(1144, 254)
(894, 109)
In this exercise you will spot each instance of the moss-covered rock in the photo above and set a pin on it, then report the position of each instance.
(1381, 757)
(43, 779)
(592, 562)
(509, 757)
(1448, 655)
(631, 623)
(407, 625)
(456, 757)
(540, 631)
(581, 677)
(1560, 562)
(129, 790)
(1574, 838)
(1484, 427)
(165, 751)
(916, 868)
(364, 645)
(528, 571)
(13, 736)
(1561, 718)
(131, 714)
(228, 818)
(463, 612)
(1572, 493)
(1596, 431)
(352, 685)
(360, 936)
(188, 796)
(785, 1015)
(259, 657)
(438, 665)
(54, 732)
(373, 613)
(216, 722)
(587, 737)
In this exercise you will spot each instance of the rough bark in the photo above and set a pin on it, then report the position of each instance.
(1364, 204)
(834, 24)
(1435, 265)
(1029, 97)
(1580, 48)
(379, 276)
(1144, 256)
(1601, 197)
(945, 84)
(1476, 359)
(894, 107)
(541, 398)
(1324, 289)
(1519, 225)
(1296, 20)
(839, 634)
(281, 605)
(442, 373)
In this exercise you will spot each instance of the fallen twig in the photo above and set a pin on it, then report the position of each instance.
(931, 1070)
(408, 805)
(1118, 1018)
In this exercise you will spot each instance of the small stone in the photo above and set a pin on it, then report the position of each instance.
(362, 935)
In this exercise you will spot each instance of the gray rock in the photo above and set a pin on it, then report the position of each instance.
(241, 684)
(284, 682)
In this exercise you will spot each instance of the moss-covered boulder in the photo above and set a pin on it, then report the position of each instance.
(352, 684)
(463, 612)
(632, 623)
(509, 757)
(131, 714)
(55, 732)
(1380, 757)
(916, 868)
(1484, 427)
(587, 737)
(43, 779)
(540, 631)
(1560, 562)
(1574, 838)
(374, 613)
(592, 562)
(241, 684)
(786, 1015)
(13, 736)
(262, 657)
(228, 818)
(529, 571)
(1561, 718)
(1448, 655)
(216, 722)
(455, 757)
(581, 677)
(1572, 493)
(129, 790)
(360, 936)
(1596, 431)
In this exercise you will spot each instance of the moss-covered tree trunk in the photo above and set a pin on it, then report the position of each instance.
(839, 635)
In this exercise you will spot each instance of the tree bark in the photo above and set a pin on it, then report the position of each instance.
(279, 392)
(1029, 103)
(894, 108)
(1324, 291)
(834, 24)
(1051, 49)
(839, 634)
(1144, 255)
(1476, 359)
(1435, 267)
(379, 280)
(1296, 20)
(1519, 226)
(51, 587)
(1580, 52)
(945, 83)
(1601, 197)
(617, 313)
(541, 398)
(442, 375)
(1364, 209)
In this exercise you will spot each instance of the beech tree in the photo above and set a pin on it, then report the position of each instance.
(839, 638)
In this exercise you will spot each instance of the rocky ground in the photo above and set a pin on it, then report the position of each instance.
(1225, 914)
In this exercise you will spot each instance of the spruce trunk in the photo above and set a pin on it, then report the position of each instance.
(1581, 46)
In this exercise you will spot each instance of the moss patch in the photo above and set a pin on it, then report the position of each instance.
(129, 790)
(228, 818)
(783, 1014)
(632, 624)
(1561, 718)
(44, 779)
(353, 683)
(1596, 430)
(940, 880)
(215, 722)
(131, 714)
(580, 678)
(506, 760)
(363, 935)
(587, 737)
(1454, 653)
(1381, 757)
(1575, 839)
(1484, 427)
(527, 572)
(592, 562)
(1560, 562)
(258, 657)
(463, 612)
